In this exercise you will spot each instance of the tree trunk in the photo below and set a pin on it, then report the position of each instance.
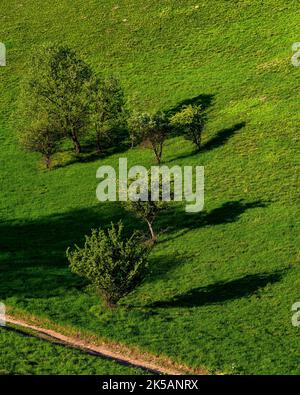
(109, 303)
(48, 162)
(98, 143)
(197, 141)
(157, 152)
(153, 234)
(76, 143)
(160, 152)
(107, 299)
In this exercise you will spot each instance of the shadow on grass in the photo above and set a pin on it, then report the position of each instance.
(221, 291)
(38, 282)
(33, 259)
(32, 253)
(120, 148)
(218, 140)
(227, 213)
(222, 137)
(45, 240)
(204, 100)
(89, 154)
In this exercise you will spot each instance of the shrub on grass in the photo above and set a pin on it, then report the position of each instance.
(141, 204)
(191, 120)
(153, 129)
(147, 212)
(113, 263)
(135, 133)
(42, 137)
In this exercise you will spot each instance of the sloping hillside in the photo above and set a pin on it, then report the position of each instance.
(223, 282)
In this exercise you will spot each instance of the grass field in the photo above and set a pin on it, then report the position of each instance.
(41, 357)
(223, 281)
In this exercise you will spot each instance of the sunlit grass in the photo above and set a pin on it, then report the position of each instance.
(223, 281)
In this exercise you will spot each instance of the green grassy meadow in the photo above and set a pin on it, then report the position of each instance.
(223, 281)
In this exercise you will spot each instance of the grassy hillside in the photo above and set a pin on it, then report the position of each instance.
(223, 281)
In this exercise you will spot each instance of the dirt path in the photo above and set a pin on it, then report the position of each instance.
(104, 350)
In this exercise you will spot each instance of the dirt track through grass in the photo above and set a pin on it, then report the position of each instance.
(102, 351)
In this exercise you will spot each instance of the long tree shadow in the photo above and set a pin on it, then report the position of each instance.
(45, 240)
(221, 291)
(222, 137)
(227, 213)
(91, 154)
(204, 100)
(88, 157)
(217, 141)
(33, 253)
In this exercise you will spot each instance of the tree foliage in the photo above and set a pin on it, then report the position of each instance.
(147, 209)
(191, 120)
(42, 137)
(113, 263)
(59, 85)
(152, 128)
(147, 212)
(107, 110)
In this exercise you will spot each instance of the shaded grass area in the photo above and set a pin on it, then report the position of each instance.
(222, 282)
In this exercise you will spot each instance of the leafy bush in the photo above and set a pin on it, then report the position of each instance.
(143, 205)
(153, 128)
(113, 263)
(191, 119)
(43, 137)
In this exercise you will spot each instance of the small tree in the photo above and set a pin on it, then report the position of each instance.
(191, 119)
(60, 83)
(147, 212)
(42, 137)
(135, 133)
(107, 110)
(113, 263)
(147, 209)
(153, 129)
